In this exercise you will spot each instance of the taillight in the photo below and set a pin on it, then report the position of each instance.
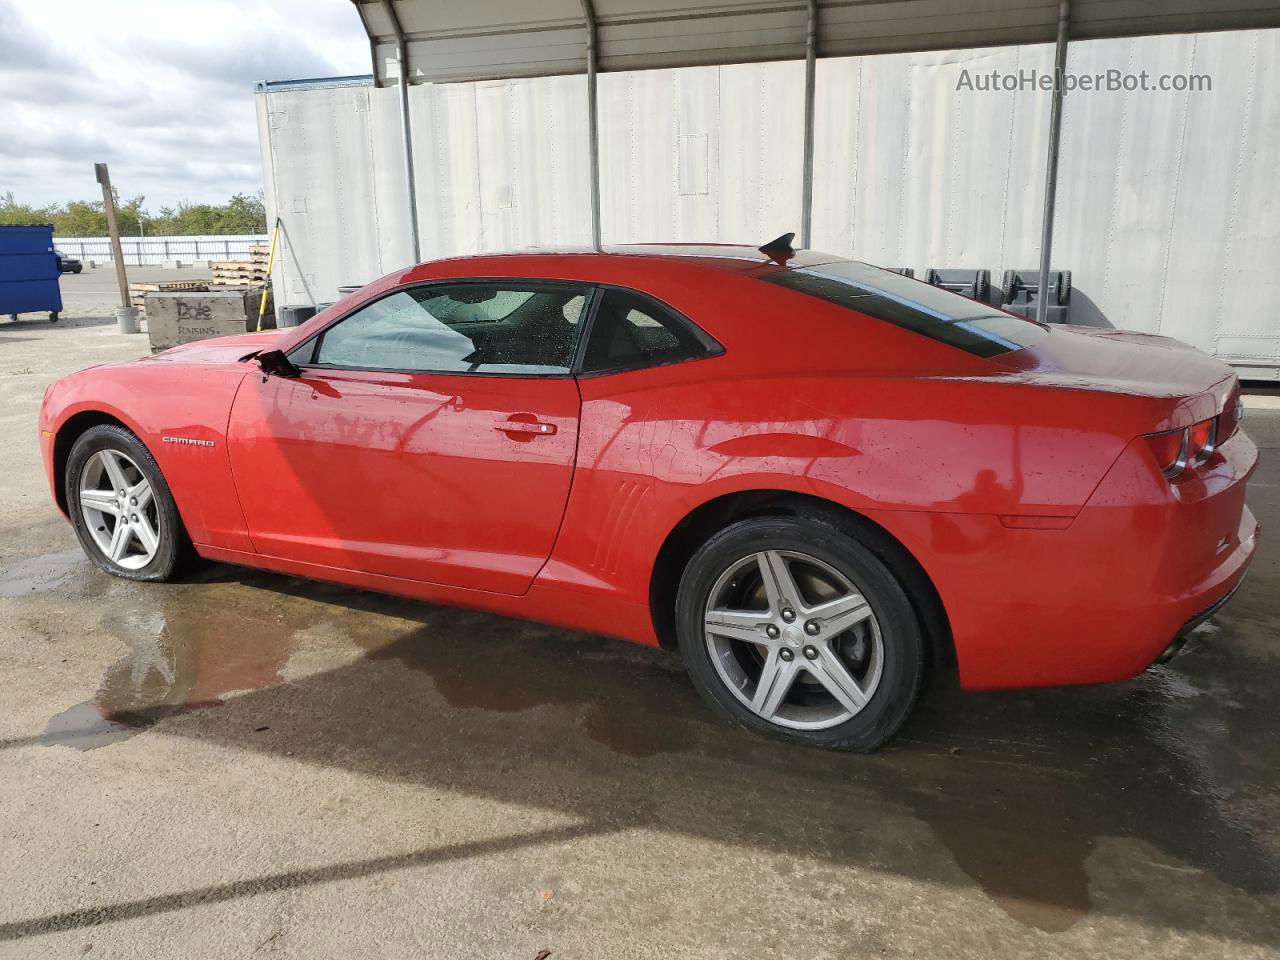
(1201, 443)
(1174, 449)
(1170, 450)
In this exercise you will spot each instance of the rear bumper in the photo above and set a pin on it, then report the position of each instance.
(1141, 564)
(1179, 641)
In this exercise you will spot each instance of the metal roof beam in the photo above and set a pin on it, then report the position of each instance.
(406, 127)
(593, 121)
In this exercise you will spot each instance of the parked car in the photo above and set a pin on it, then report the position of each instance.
(67, 263)
(816, 479)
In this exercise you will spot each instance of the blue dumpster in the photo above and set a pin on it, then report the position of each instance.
(29, 272)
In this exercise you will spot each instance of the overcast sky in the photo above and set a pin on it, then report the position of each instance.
(162, 90)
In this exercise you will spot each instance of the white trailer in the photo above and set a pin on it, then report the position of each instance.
(1168, 208)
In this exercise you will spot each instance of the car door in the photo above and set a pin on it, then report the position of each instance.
(431, 435)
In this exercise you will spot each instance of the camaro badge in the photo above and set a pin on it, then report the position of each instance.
(188, 441)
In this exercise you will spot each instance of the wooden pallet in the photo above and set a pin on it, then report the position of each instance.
(237, 282)
(138, 291)
(166, 286)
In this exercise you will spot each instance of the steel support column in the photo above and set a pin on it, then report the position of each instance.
(406, 128)
(1051, 163)
(810, 93)
(593, 132)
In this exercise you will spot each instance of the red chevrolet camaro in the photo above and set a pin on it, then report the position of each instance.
(812, 477)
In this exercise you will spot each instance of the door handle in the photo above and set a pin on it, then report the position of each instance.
(535, 427)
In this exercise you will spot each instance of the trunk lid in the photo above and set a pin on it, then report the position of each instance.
(1180, 384)
(1144, 364)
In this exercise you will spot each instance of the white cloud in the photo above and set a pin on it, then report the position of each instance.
(162, 90)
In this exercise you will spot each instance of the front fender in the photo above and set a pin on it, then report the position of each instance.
(159, 403)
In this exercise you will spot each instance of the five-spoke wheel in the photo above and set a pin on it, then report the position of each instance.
(794, 626)
(793, 639)
(121, 507)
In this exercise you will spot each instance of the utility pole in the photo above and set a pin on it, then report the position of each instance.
(126, 316)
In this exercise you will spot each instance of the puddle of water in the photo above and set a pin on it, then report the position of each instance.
(177, 661)
(39, 574)
(1037, 877)
(87, 727)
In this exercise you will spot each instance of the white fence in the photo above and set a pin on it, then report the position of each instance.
(142, 250)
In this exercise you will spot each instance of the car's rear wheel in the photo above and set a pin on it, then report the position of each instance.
(121, 507)
(793, 628)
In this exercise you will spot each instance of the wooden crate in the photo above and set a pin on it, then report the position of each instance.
(182, 316)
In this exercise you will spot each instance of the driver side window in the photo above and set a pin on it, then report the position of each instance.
(487, 327)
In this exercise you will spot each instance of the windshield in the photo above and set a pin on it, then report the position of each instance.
(920, 307)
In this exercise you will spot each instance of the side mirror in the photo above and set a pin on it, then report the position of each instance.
(275, 364)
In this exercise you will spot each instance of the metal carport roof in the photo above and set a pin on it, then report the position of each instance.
(450, 40)
(417, 41)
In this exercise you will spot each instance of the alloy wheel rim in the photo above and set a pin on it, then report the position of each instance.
(119, 509)
(793, 639)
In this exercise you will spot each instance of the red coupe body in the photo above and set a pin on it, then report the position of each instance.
(1024, 484)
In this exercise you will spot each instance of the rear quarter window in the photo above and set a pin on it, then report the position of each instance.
(920, 307)
(630, 331)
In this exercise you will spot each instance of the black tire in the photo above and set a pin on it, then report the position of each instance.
(173, 548)
(1008, 286)
(53, 317)
(903, 643)
(1064, 288)
(982, 287)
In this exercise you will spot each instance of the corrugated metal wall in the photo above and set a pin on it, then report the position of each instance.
(1169, 207)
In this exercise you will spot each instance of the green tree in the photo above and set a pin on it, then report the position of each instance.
(80, 218)
(86, 218)
(245, 215)
(131, 218)
(13, 213)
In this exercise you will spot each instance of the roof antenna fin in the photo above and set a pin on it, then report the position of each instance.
(780, 250)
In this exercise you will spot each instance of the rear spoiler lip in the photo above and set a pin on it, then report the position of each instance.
(1210, 402)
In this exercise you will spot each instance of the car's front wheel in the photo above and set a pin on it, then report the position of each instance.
(792, 627)
(121, 507)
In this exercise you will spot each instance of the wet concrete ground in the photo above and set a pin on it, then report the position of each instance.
(246, 763)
